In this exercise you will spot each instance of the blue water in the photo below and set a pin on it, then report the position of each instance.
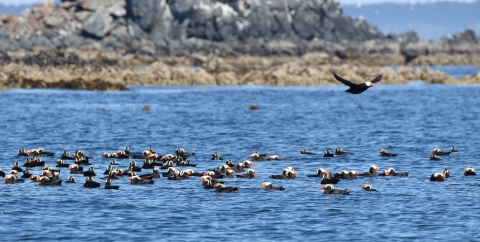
(406, 119)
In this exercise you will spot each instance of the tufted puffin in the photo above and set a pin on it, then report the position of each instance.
(89, 172)
(61, 163)
(320, 173)
(434, 157)
(438, 152)
(372, 171)
(368, 187)
(338, 151)
(392, 172)
(357, 88)
(329, 178)
(71, 179)
(12, 179)
(287, 174)
(108, 184)
(384, 152)
(250, 174)
(328, 189)
(136, 180)
(328, 153)
(437, 177)
(304, 151)
(90, 183)
(470, 171)
(269, 186)
(220, 187)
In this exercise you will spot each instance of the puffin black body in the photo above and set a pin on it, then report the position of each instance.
(112, 175)
(136, 180)
(89, 172)
(147, 164)
(329, 179)
(392, 172)
(269, 186)
(384, 152)
(357, 88)
(90, 183)
(220, 187)
(470, 171)
(328, 153)
(182, 175)
(26, 173)
(320, 173)
(372, 172)
(453, 149)
(328, 189)
(12, 179)
(339, 151)
(434, 157)
(55, 181)
(368, 188)
(2, 173)
(65, 156)
(16, 167)
(215, 156)
(61, 163)
(71, 179)
(250, 174)
(75, 169)
(306, 152)
(350, 175)
(437, 177)
(22, 152)
(108, 184)
(155, 174)
(287, 174)
(208, 182)
(438, 152)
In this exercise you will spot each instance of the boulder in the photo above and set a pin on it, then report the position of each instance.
(143, 12)
(98, 25)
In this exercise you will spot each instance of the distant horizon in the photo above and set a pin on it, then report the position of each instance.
(343, 2)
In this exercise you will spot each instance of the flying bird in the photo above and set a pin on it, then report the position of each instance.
(358, 88)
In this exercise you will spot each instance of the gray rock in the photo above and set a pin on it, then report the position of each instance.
(143, 12)
(181, 8)
(93, 5)
(99, 24)
(306, 22)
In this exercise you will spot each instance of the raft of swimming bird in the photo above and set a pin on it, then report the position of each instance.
(168, 166)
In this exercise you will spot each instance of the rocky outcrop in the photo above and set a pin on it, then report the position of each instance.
(312, 69)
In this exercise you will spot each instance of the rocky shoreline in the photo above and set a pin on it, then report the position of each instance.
(308, 70)
(110, 44)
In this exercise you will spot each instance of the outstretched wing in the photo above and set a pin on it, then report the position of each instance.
(348, 83)
(377, 79)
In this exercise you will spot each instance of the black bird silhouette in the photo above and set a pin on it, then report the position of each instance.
(357, 88)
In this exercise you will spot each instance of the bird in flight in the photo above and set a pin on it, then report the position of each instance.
(358, 88)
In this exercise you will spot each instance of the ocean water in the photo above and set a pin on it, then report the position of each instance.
(409, 120)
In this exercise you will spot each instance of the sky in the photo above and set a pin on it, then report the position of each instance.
(17, 2)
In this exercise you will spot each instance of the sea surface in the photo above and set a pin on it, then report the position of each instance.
(409, 120)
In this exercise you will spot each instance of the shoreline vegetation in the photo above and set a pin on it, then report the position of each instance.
(311, 69)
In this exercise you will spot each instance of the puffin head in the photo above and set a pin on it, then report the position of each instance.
(327, 187)
(367, 187)
(469, 169)
(369, 84)
(219, 185)
(266, 184)
(251, 171)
